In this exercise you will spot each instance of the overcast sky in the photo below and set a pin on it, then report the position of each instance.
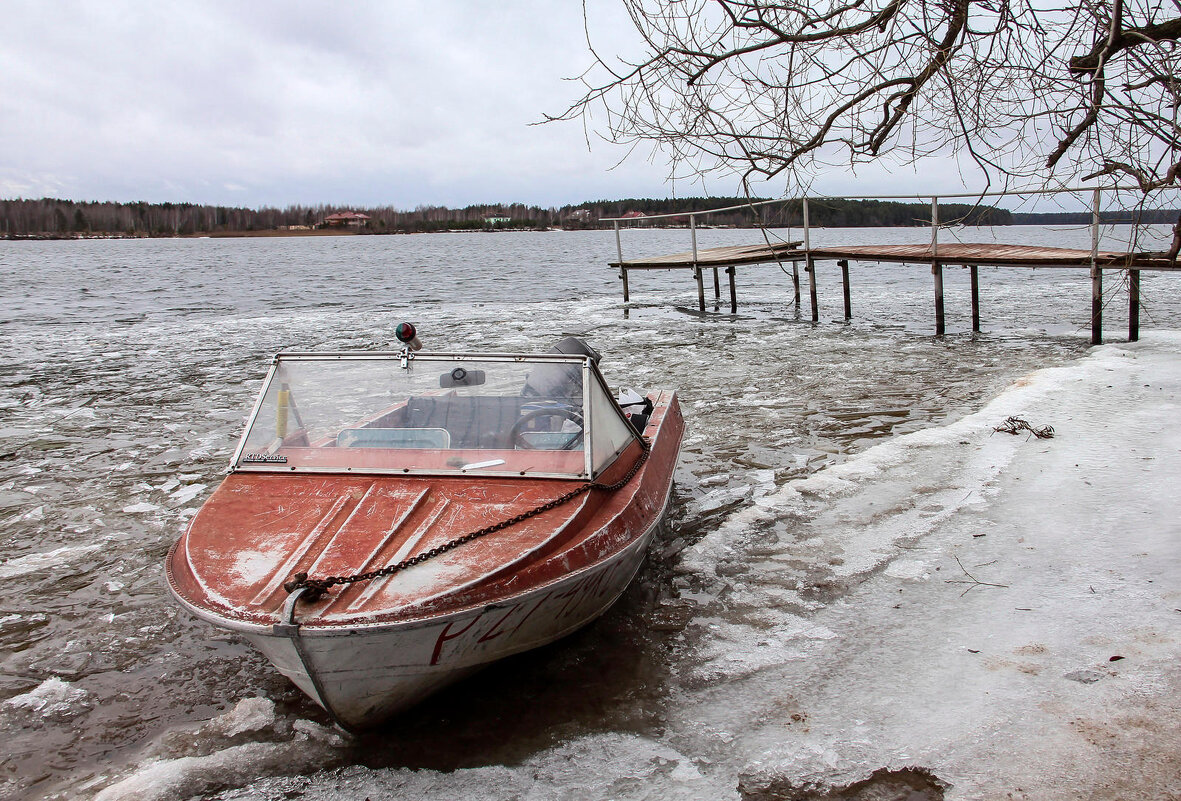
(401, 103)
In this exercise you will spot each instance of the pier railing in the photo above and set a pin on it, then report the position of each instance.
(1096, 194)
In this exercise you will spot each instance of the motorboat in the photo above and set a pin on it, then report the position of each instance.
(394, 521)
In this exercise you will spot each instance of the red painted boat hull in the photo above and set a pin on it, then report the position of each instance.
(368, 650)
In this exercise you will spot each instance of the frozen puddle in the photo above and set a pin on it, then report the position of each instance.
(938, 617)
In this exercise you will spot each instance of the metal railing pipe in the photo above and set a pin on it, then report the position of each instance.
(945, 196)
(934, 225)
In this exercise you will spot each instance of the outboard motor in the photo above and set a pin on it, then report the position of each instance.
(560, 380)
(576, 347)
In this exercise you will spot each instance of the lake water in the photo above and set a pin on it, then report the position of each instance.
(129, 367)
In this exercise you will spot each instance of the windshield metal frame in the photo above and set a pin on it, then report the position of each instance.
(590, 372)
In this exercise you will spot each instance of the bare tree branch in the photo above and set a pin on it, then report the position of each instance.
(1024, 89)
(1131, 37)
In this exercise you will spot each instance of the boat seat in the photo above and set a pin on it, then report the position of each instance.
(394, 438)
(480, 421)
(472, 422)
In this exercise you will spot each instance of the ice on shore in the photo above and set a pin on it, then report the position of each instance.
(977, 591)
(602, 766)
(248, 715)
(247, 742)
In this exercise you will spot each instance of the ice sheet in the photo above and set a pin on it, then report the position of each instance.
(41, 561)
(213, 756)
(52, 698)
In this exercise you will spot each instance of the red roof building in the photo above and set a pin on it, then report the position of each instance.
(341, 218)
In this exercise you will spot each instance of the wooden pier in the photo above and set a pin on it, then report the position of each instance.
(970, 255)
(728, 258)
(936, 254)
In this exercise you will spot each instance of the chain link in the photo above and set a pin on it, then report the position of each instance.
(317, 587)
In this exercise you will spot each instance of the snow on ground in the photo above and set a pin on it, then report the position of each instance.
(1003, 612)
(1060, 682)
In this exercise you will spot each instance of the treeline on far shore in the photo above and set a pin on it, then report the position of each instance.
(55, 218)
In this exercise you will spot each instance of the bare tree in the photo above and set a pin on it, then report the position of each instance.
(1019, 90)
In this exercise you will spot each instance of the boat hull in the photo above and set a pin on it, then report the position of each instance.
(364, 675)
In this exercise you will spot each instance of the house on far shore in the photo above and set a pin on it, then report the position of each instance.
(343, 219)
(497, 220)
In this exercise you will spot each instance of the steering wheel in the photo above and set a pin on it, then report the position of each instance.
(516, 433)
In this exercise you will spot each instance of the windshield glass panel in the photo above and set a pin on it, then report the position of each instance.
(610, 433)
(515, 416)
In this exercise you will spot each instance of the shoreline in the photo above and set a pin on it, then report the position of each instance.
(274, 233)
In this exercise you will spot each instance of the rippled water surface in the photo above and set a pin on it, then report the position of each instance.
(130, 365)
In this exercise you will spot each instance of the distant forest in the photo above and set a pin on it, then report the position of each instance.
(1144, 217)
(53, 218)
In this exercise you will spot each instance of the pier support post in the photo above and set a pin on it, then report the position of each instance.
(1096, 305)
(700, 287)
(975, 299)
(808, 265)
(845, 281)
(811, 268)
(795, 280)
(619, 256)
(937, 271)
(733, 292)
(1133, 305)
(717, 286)
(1096, 273)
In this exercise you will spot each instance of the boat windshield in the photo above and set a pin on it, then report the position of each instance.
(515, 415)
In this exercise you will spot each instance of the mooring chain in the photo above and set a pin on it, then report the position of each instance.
(1015, 425)
(316, 587)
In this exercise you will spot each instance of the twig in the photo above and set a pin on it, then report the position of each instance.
(975, 582)
(1014, 425)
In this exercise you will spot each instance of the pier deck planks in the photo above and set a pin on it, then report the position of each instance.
(981, 254)
(716, 257)
(991, 255)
